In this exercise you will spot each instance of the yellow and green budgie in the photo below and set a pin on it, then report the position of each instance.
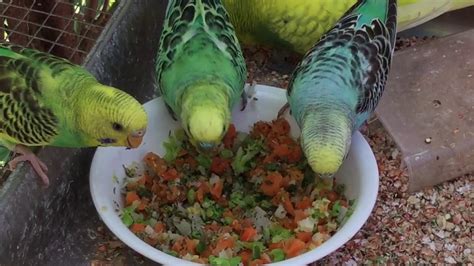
(296, 25)
(200, 69)
(46, 100)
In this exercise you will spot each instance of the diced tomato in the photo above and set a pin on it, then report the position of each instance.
(248, 234)
(300, 215)
(282, 151)
(304, 236)
(230, 136)
(143, 204)
(159, 227)
(137, 228)
(216, 189)
(131, 197)
(272, 184)
(155, 162)
(246, 256)
(201, 192)
(304, 203)
(191, 245)
(170, 174)
(219, 166)
(224, 243)
(293, 247)
(295, 155)
(281, 126)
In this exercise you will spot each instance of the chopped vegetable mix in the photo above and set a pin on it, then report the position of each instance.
(251, 201)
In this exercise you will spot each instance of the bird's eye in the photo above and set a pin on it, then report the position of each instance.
(117, 127)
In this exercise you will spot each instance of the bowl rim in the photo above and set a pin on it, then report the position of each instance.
(364, 206)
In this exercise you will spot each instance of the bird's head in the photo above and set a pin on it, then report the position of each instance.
(206, 126)
(325, 140)
(112, 117)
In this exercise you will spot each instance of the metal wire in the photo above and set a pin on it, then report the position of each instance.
(27, 24)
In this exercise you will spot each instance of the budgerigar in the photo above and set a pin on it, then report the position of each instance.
(46, 100)
(340, 80)
(200, 69)
(297, 25)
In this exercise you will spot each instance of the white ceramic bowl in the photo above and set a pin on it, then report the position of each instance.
(359, 173)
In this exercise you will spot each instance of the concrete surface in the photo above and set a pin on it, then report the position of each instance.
(428, 108)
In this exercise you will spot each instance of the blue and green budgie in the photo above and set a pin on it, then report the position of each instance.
(46, 100)
(340, 80)
(200, 69)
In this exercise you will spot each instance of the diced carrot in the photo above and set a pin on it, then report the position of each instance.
(191, 245)
(295, 154)
(276, 245)
(178, 245)
(201, 192)
(288, 205)
(155, 162)
(293, 247)
(137, 228)
(282, 151)
(300, 215)
(131, 197)
(245, 255)
(143, 204)
(288, 223)
(230, 136)
(248, 234)
(219, 166)
(304, 236)
(216, 190)
(272, 184)
(159, 227)
(151, 241)
(281, 126)
(170, 174)
(304, 203)
(256, 262)
(224, 243)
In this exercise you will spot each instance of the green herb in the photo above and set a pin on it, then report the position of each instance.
(204, 161)
(200, 247)
(277, 255)
(242, 158)
(336, 209)
(172, 148)
(215, 261)
(191, 196)
(279, 233)
(227, 154)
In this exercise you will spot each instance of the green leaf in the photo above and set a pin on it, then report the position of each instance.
(277, 255)
(200, 247)
(245, 155)
(336, 208)
(172, 148)
(215, 261)
(226, 154)
(279, 233)
(127, 219)
(191, 195)
(204, 161)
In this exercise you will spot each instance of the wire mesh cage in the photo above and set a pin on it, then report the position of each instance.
(65, 28)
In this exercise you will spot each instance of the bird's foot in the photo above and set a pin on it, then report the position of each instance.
(283, 110)
(27, 155)
(249, 93)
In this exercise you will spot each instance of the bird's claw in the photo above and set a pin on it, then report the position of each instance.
(248, 93)
(26, 155)
(283, 109)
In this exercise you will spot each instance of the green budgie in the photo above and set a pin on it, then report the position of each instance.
(297, 25)
(46, 100)
(339, 82)
(200, 69)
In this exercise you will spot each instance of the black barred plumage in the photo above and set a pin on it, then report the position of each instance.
(23, 117)
(183, 18)
(371, 46)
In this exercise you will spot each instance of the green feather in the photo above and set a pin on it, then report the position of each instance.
(199, 57)
(46, 100)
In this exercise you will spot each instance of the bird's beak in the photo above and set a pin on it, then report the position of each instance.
(135, 139)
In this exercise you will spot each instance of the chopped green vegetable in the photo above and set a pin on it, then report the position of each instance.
(127, 219)
(272, 166)
(191, 196)
(227, 154)
(144, 192)
(277, 255)
(257, 249)
(204, 161)
(336, 208)
(215, 261)
(243, 157)
(172, 148)
(279, 233)
(201, 246)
